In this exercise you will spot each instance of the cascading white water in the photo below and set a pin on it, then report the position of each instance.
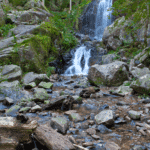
(76, 68)
(103, 18)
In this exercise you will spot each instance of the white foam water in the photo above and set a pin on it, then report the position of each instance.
(77, 68)
(103, 18)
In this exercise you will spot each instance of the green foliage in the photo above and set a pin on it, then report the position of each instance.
(127, 84)
(50, 70)
(18, 2)
(136, 10)
(5, 29)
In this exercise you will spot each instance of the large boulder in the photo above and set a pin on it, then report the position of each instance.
(112, 74)
(105, 117)
(22, 29)
(33, 77)
(40, 94)
(51, 139)
(60, 123)
(142, 85)
(10, 73)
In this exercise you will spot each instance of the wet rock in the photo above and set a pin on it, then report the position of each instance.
(8, 101)
(70, 112)
(46, 85)
(112, 146)
(85, 93)
(112, 74)
(55, 102)
(95, 137)
(91, 131)
(105, 106)
(40, 94)
(75, 117)
(84, 125)
(11, 73)
(73, 131)
(33, 77)
(134, 114)
(23, 118)
(106, 117)
(103, 129)
(60, 123)
(45, 135)
(141, 85)
(121, 103)
(36, 108)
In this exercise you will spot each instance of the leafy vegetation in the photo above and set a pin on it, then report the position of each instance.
(136, 10)
(4, 30)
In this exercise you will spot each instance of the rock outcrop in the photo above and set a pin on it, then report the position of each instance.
(110, 74)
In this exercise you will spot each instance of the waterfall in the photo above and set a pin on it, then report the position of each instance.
(95, 19)
(103, 18)
(80, 62)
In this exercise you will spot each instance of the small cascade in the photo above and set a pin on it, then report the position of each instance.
(80, 62)
(103, 18)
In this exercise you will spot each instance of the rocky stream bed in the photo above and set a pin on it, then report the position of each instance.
(66, 112)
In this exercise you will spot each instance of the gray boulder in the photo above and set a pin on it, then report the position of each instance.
(138, 72)
(40, 94)
(134, 114)
(11, 73)
(124, 90)
(105, 117)
(22, 29)
(36, 108)
(112, 74)
(60, 123)
(142, 85)
(33, 77)
(75, 117)
(8, 101)
(6, 84)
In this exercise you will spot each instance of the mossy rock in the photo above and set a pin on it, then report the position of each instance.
(46, 85)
